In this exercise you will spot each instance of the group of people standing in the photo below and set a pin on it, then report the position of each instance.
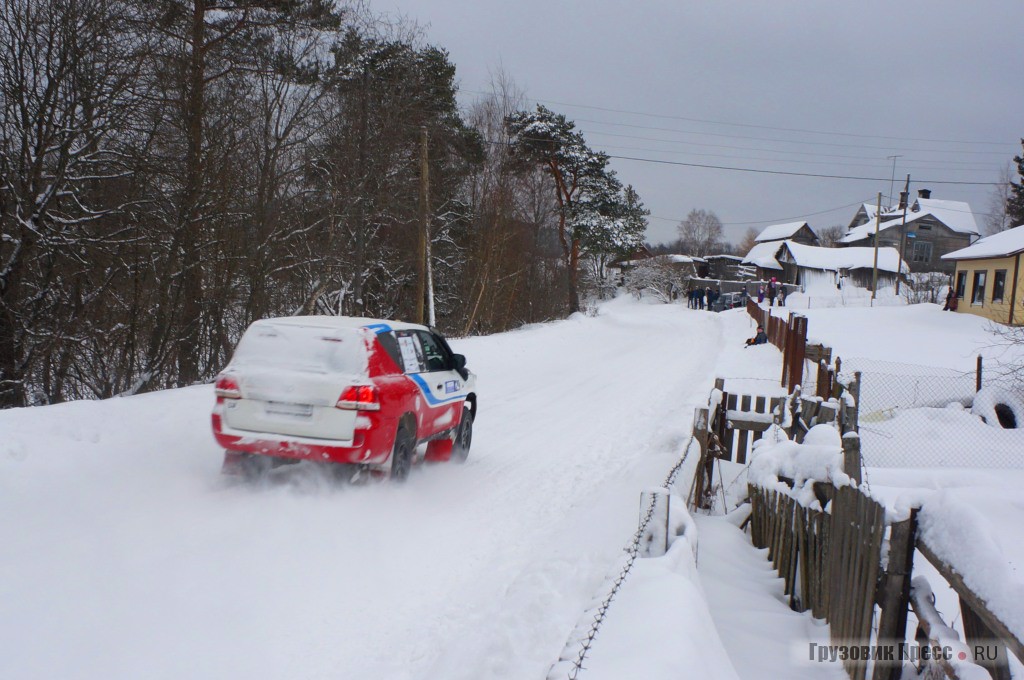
(701, 298)
(771, 291)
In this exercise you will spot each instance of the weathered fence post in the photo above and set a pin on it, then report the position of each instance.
(977, 376)
(977, 634)
(855, 391)
(894, 593)
(701, 432)
(655, 539)
(851, 456)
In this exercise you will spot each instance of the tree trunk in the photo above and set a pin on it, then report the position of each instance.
(191, 267)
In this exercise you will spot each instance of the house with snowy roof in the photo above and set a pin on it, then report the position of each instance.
(933, 229)
(809, 266)
(723, 266)
(799, 232)
(989, 279)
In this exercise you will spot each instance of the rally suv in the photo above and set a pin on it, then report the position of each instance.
(343, 390)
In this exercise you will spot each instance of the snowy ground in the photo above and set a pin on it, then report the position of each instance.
(126, 555)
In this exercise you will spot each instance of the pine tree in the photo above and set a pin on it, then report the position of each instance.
(595, 213)
(1015, 201)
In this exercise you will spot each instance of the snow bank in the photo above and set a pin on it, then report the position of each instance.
(977, 532)
(659, 626)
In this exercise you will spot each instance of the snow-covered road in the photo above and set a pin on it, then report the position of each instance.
(125, 555)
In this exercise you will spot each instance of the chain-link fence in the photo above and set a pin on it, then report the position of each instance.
(923, 416)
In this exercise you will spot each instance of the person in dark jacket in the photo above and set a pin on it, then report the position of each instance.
(760, 339)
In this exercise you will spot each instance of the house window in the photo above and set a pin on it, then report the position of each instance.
(998, 285)
(961, 284)
(978, 294)
(922, 251)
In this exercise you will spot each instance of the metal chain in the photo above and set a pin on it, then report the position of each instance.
(632, 550)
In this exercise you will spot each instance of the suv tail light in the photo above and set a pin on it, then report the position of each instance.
(227, 387)
(359, 398)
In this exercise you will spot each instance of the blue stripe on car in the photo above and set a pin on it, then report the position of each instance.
(378, 328)
(431, 399)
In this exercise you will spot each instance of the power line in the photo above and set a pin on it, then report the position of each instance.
(777, 220)
(785, 160)
(778, 129)
(783, 141)
(985, 165)
(794, 174)
(758, 127)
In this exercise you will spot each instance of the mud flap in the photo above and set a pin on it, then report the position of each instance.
(232, 463)
(439, 450)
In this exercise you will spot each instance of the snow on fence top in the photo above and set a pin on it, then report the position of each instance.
(818, 459)
(977, 532)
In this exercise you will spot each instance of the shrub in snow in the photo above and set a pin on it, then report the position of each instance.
(656, 277)
(999, 406)
(925, 287)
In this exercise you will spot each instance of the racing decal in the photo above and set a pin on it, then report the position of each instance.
(451, 386)
(412, 353)
(428, 395)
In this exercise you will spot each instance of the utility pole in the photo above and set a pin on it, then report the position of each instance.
(874, 272)
(421, 251)
(892, 179)
(904, 200)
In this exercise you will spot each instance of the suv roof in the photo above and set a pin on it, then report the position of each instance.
(341, 322)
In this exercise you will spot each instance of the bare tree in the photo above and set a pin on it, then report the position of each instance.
(998, 219)
(66, 89)
(748, 242)
(829, 236)
(701, 232)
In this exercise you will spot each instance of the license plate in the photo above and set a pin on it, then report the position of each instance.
(277, 408)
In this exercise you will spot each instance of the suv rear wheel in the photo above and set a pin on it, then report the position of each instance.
(463, 437)
(402, 454)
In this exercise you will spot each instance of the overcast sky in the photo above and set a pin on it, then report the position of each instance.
(814, 86)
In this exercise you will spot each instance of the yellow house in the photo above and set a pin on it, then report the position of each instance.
(988, 276)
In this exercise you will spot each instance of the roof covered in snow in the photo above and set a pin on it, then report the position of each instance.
(956, 215)
(834, 259)
(763, 255)
(1004, 243)
(684, 259)
(868, 228)
(778, 232)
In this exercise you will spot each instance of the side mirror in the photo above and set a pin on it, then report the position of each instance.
(459, 362)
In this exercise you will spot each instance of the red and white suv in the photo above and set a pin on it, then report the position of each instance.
(343, 390)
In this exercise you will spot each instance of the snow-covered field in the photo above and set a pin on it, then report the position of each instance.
(126, 555)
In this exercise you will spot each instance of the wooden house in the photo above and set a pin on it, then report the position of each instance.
(988, 277)
(933, 229)
(798, 232)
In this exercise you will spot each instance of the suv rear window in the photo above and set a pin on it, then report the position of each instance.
(303, 348)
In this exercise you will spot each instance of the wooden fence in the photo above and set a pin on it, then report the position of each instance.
(830, 561)
(790, 337)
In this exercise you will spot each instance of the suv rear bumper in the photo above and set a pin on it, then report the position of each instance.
(371, 445)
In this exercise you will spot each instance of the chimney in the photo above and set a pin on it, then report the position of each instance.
(904, 198)
(924, 193)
